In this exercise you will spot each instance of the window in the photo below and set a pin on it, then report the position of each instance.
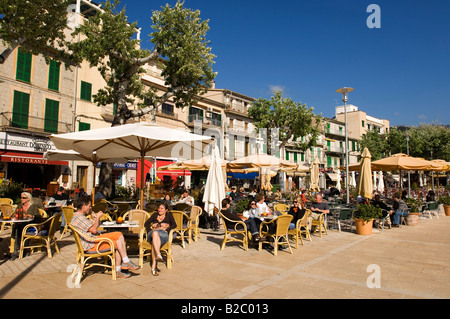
(287, 156)
(195, 114)
(329, 161)
(23, 72)
(53, 75)
(86, 91)
(295, 157)
(167, 109)
(362, 122)
(328, 127)
(21, 105)
(51, 116)
(84, 126)
(302, 157)
(353, 146)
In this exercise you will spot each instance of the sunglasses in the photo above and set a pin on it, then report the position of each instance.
(295, 202)
(24, 197)
(252, 203)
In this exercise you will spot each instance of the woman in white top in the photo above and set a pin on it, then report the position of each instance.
(262, 206)
(254, 220)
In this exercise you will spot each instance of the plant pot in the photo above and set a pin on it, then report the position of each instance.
(447, 210)
(412, 219)
(363, 227)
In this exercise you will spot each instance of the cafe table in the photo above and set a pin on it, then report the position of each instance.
(15, 221)
(125, 226)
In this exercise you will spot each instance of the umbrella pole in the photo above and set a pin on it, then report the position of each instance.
(93, 184)
(142, 181)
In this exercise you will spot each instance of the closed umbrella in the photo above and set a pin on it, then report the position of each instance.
(338, 181)
(380, 186)
(365, 185)
(136, 140)
(314, 172)
(215, 186)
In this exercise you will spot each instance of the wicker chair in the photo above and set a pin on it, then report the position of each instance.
(320, 224)
(68, 213)
(281, 229)
(233, 227)
(145, 248)
(38, 238)
(132, 237)
(301, 227)
(282, 208)
(86, 260)
(7, 211)
(196, 211)
(183, 225)
(5, 200)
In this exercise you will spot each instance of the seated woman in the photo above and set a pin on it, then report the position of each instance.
(25, 210)
(297, 212)
(158, 227)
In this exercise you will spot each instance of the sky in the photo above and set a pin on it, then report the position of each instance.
(310, 48)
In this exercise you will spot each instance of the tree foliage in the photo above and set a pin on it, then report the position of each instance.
(180, 49)
(428, 141)
(293, 120)
(36, 26)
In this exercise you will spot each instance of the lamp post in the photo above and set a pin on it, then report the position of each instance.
(409, 176)
(345, 91)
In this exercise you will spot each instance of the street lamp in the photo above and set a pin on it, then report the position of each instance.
(345, 91)
(409, 176)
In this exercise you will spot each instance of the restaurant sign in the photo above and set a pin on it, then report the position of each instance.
(17, 142)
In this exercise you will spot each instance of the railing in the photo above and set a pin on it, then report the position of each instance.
(33, 123)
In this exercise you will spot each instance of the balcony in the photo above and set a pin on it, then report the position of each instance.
(24, 123)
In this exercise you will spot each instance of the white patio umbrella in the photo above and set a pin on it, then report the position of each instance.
(215, 185)
(380, 187)
(353, 180)
(374, 173)
(70, 155)
(314, 175)
(338, 181)
(135, 140)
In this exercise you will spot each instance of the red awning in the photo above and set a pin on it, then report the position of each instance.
(28, 158)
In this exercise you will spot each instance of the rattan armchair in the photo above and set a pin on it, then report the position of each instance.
(85, 260)
(280, 225)
(145, 248)
(135, 215)
(68, 214)
(320, 224)
(194, 216)
(183, 225)
(301, 227)
(38, 238)
(233, 228)
(282, 208)
(7, 211)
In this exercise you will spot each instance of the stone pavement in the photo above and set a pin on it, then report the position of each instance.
(407, 262)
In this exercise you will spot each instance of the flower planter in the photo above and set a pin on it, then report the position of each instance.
(412, 219)
(447, 210)
(363, 227)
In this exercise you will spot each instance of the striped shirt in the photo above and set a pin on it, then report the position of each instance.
(82, 223)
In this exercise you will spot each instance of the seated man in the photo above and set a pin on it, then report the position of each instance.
(186, 198)
(385, 210)
(317, 208)
(401, 209)
(89, 227)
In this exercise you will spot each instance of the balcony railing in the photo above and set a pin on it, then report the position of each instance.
(33, 123)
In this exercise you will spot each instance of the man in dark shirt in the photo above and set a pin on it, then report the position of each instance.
(401, 210)
(319, 207)
(386, 210)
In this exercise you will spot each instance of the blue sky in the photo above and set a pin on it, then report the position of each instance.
(400, 72)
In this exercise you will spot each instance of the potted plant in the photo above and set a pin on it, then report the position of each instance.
(364, 216)
(445, 200)
(414, 211)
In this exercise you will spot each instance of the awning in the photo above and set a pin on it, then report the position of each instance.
(28, 158)
(333, 176)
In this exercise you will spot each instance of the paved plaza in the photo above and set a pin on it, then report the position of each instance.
(407, 262)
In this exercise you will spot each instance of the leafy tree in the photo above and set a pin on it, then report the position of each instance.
(180, 48)
(376, 143)
(36, 26)
(293, 120)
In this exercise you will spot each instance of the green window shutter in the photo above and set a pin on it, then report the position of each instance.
(86, 91)
(287, 156)
(362, 123)
(51, 116)
(328, 127)
(53, 75)
(329, 144)
(84, 126)
(302, 157)
(329, 161)
(21, 106)
(23, 72)
(295, 157)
